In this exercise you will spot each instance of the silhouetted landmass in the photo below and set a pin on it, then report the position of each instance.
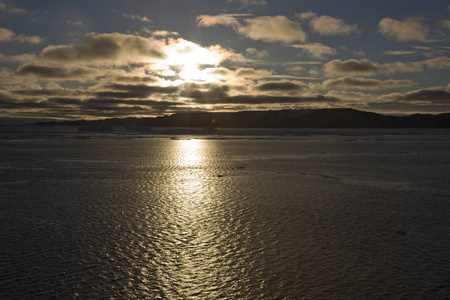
(303, 118)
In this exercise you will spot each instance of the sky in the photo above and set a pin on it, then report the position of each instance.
(84, 59)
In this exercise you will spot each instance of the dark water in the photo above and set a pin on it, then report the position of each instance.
(156, 218)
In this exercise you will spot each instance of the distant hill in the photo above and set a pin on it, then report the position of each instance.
(302, 118)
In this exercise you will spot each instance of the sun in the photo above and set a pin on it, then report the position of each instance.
(191, 72)
(192, 60)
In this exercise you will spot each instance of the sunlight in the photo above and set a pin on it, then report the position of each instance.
(189, 57)
(191, 153)
(191, 72)
(193, 227)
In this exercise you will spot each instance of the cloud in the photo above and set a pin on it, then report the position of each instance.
(129, 78)
(328, 25)
(76, 108)
(403, 31)
(400, 107)
(134, 91)
(54, 107)
(92, 103)
(79, 103)
(75, 23)
(400, 52)
(213, 93)
(53, 92)
(267, 92)
(445, 24)
(11, 9)
(257, 53)
(219, 73)
(274, 92)
(113, 48)
(265, 28)
(316, 50)
(132, 16)
(250, 2)
(181, 52)
(365, 67)
(224, 19)
(438, 62)
(424, 48)
(284, 86)
(306, 15)
(295, 69)
(350, 96)
(252, 73)
(18, 58)
(364, 83)
(273, 29)
(258, 99)
(55, 72)
(164, 33)
(434, 94)
(359, 53)
(7, 35)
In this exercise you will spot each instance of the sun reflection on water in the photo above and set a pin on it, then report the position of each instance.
(190, 153)
(193, 263)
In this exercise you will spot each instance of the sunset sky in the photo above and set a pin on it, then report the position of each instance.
(65, 60)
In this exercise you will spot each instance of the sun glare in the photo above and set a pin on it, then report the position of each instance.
(191, 72)
(190, 152)
(189, 57)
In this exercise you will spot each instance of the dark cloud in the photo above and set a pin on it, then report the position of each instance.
(365, 67)
(437, 95)
(253, 99)
(279, 86)
(4, 96)
(116, 102)
(112, 48)
(352, 66)
(9, 103)
(409, 107)
(51, 92)
(64, 101)
(125, 91)
(252, 73)
(246, 3)
(144, 89)
(364, 83)
(135, 79)
(55, 72)
(96, 103)
(132, 16)
(213, 92)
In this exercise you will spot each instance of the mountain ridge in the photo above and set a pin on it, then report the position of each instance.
(301, 118)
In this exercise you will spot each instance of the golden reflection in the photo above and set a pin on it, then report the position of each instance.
(190, 153)
(191, 258)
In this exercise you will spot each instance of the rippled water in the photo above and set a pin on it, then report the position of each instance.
(157, 218)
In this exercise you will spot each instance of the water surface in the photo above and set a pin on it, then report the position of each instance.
(312, 217)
